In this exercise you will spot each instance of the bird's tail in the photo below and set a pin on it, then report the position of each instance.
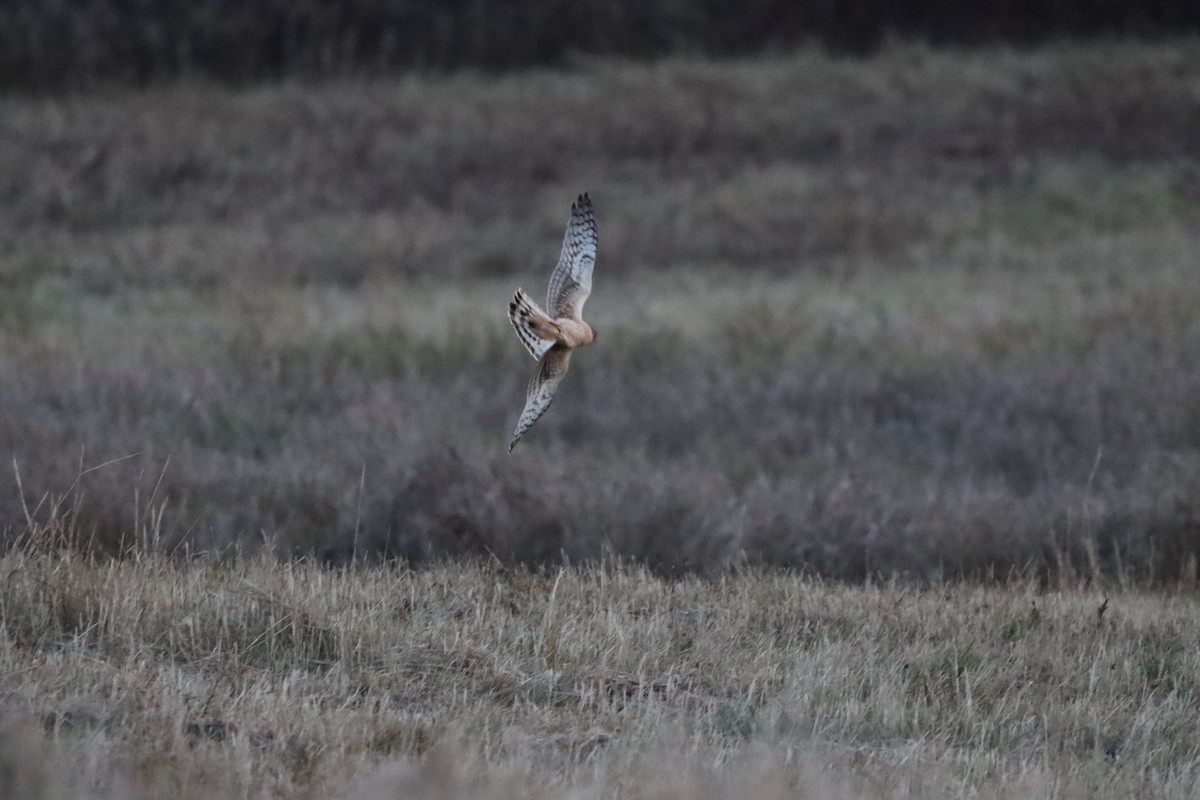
(534, 327)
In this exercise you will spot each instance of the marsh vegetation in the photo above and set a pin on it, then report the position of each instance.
(880, 481)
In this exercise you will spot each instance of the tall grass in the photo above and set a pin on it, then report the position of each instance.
(259, 678)
(931, 314)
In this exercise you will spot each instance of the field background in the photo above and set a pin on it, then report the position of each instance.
(931, 314)
(922, 327)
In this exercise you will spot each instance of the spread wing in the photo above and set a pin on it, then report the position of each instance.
(535, 330)
(549, 375)
(571, 281)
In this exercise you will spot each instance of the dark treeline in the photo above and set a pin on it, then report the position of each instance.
(51, 44)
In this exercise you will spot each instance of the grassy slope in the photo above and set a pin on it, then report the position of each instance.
(245, 678)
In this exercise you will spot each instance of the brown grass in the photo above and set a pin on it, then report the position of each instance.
(256, 678)
(880, 482)
(930, 314)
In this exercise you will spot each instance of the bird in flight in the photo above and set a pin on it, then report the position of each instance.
(550, 337)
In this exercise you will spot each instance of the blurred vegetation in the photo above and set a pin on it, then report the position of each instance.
(932, 313)
(47, 44)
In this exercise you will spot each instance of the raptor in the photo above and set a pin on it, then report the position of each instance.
(551, 336)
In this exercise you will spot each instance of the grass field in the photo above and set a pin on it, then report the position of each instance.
(896, 382)
(269, 679)
(933, 313)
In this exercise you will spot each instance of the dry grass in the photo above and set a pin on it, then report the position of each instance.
(259, 678)
(928, 314)
(925, 320)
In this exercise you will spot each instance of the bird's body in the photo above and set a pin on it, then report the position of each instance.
(551, 336)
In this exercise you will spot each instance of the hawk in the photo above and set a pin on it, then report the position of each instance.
(550, 337)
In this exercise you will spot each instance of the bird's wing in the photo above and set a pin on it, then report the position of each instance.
(549, 375)
(571, 281)
(535, 330)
